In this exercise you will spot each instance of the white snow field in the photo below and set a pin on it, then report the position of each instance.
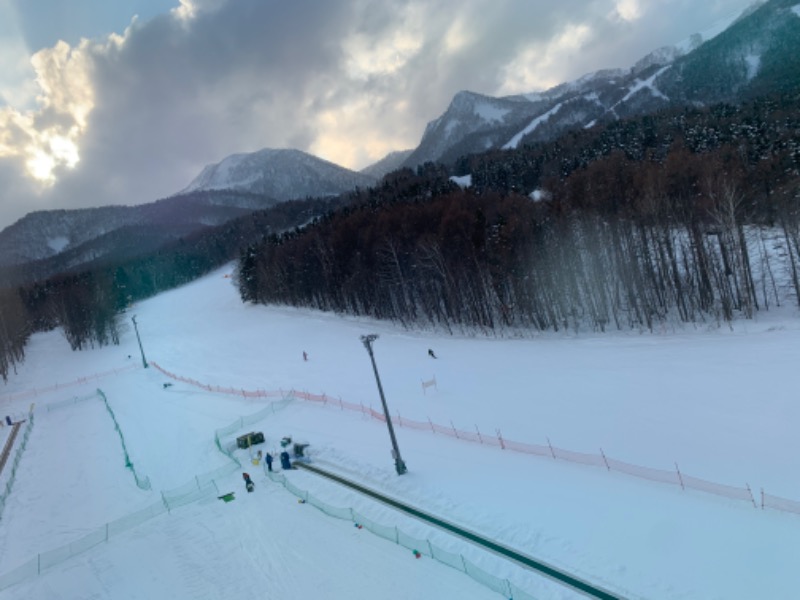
(720, 404)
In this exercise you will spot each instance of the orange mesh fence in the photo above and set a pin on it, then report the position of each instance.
(445, 430)
(219, 389)
(488, 439)
(355, 407)
(468, 435)
(535, 449)
(411, 424)
(719, 489)
(580, 457)
(644, 472)
(778, 503)
(675, 477)
(60, 386)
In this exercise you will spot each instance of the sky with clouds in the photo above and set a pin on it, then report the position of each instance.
(124, 101)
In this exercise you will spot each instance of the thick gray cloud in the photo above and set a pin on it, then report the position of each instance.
(347, 80)
(172, 98)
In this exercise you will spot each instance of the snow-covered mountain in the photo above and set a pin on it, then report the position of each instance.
(58, 240)
(280, 174)
(41, 234)
(757, 52)
(236, 186)
(389, 163)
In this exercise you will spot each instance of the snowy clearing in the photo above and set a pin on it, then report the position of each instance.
(719, 404)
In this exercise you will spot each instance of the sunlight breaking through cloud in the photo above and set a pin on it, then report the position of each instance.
(47, 136)
(368, 56)
(628, 10)
(190, 9)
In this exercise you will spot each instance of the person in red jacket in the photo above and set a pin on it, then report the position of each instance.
(248, 483)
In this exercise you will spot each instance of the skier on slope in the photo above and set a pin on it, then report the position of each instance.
(248, 483)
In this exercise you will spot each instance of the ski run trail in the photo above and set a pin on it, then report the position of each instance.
(718, 404)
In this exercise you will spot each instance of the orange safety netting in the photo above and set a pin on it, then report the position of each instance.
(58, 386)
(675, 477)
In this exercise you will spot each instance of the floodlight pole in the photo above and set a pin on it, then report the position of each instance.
(399, 465)
(144, 361)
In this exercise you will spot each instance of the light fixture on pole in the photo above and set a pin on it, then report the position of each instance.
(399, 465)
(144, 361)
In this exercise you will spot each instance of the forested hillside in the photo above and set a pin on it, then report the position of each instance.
(682, 216)
(88, 304)
(688, 215)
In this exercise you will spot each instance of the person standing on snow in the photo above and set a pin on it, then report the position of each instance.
(268, 458)
(305, 356)
(248, 483)
(430, 353)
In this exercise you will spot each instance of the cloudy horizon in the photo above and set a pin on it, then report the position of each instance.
(124, 103)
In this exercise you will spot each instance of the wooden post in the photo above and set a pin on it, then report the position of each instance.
(604, 459)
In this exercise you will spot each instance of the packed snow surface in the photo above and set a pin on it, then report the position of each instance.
(718, 403)
(753, 62)
(514, 141)
(641, 84)
(463, 181)
(490, 112)
(57, 244)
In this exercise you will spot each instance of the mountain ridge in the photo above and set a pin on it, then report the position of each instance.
(759, 51)
(752, 53)
(281, 173)
(236, 186)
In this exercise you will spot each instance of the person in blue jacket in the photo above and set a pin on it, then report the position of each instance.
(285, 464)
(268, 458)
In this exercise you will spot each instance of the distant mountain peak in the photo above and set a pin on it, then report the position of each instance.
(744, 54)
(282, 174)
